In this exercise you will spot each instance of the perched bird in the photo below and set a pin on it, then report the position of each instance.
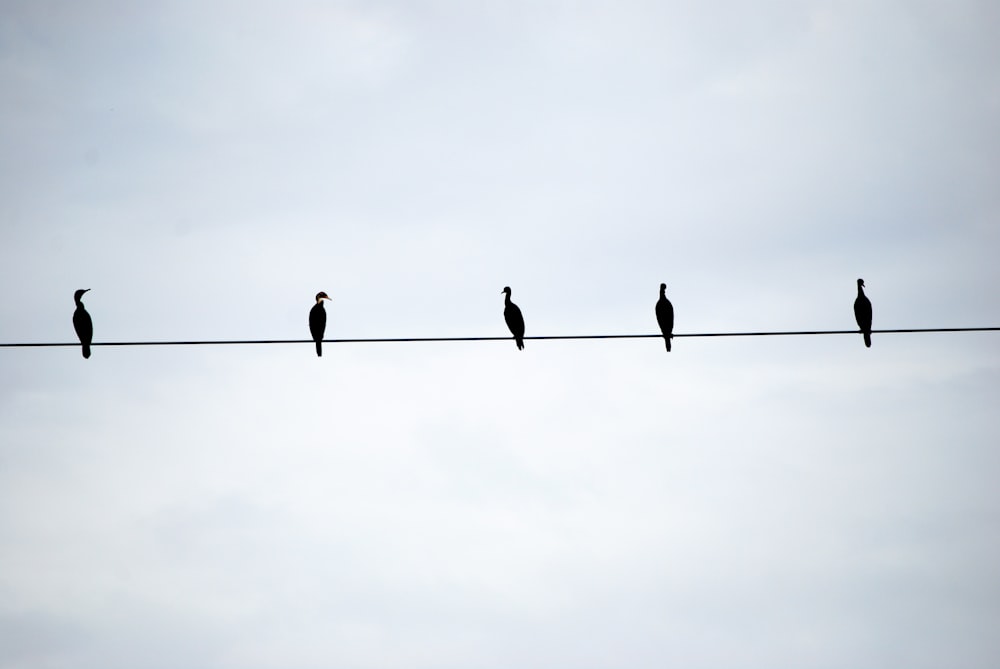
(317, 321)
(665, 315)
(515, 321)
(863, 313)
(81, 322)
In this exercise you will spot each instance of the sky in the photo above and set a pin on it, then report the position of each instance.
(206, 168)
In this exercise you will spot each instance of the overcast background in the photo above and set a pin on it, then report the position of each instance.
(207, 167)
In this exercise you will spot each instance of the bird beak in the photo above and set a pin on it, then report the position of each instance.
(86, 290)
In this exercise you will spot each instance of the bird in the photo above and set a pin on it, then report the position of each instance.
(317, 321)
(665, 315)
(863, 313)
(515, 321)
(81, 322)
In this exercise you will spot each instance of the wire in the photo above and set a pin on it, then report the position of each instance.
(395, 340)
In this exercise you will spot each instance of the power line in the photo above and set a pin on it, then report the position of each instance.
(399, 340)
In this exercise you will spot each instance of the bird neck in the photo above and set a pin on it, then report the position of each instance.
(861, 290)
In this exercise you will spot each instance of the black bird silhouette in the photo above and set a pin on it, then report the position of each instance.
(317, 321)
(81, 322)
(515, 321)
(863, 313)
(665, 315)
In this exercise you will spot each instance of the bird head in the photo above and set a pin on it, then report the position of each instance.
(322, 296)
(78, 294)
(506, 289)
(861, 283)
(663, 287)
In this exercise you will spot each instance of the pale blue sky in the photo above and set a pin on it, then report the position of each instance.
(206, 168)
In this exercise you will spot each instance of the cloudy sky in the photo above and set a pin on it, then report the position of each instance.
(207, 167)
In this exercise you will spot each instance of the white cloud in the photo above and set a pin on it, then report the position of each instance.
(205, 169)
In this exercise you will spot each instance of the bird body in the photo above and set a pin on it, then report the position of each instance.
(317, 321)
(863, 313)
(82, 323)
(515, 321)
(665, 315)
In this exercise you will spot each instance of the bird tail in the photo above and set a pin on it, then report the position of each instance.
(667, 340)
(319, 348)
(86, 350)
(868, 339)
(520, 343)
